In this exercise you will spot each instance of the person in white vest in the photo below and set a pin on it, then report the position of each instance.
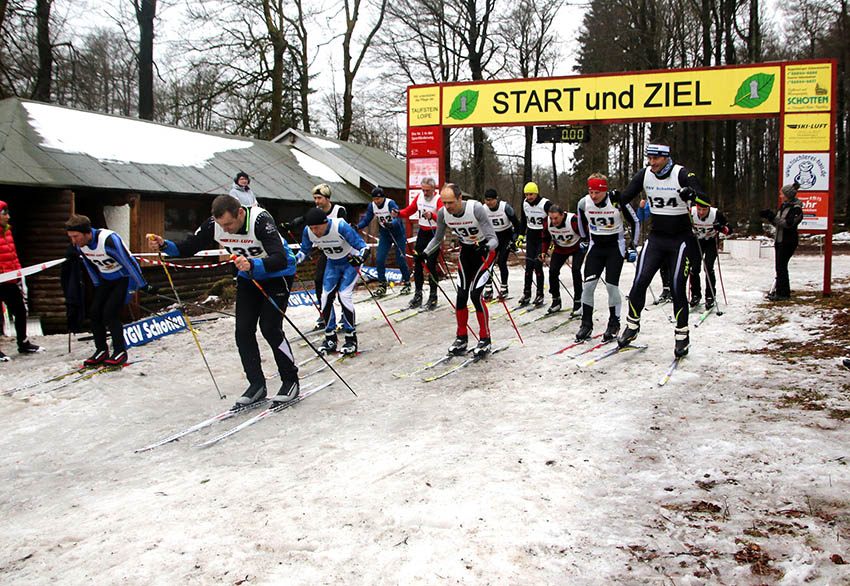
(506, 225)
(670, 190)
(561, 232)
(345, 251)
(116, 276)
(709, 223)
(426, 205)
(249, 232)
(534, 212)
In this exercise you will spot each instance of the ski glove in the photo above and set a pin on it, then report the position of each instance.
(520, 240)
(481, 249)
(687, 194)
(720, 228)
(355, 260)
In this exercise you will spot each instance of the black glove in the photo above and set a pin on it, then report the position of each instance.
(355, 260)
(687, 194)
(149, 289)
(767, 214)
(614, 195)
(481, 249)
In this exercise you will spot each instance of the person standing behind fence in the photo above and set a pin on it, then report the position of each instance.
(11, 292)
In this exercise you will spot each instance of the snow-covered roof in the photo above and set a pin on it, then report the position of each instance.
(55, 146)
(356, 163)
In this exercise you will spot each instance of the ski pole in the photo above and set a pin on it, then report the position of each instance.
(549, 266)
(189, 323)
(303, 337)
(504, 304)
(300, 281)
(375, 299)
(708, 281)
(720, 273)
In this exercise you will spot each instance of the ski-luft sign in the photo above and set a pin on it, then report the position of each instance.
(800, 93)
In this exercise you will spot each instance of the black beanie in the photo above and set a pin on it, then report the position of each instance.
(241, 174)
(491, 194)
(378, 192)
(315, 216)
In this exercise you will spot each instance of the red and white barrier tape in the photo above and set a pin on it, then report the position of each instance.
(179, 266)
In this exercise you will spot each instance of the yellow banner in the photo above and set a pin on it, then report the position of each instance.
(806, 132)
(808, 87)
(644, 96)
(423, 105)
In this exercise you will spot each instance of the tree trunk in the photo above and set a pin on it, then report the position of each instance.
(45, 51)
(145, 13)
(526, 158)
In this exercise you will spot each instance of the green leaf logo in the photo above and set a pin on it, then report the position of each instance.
(464, 105)
(754, 91)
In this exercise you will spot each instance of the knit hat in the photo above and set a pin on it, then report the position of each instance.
(315, 217)
(531, 187)
(790, 190)
(378, 192)
(3, 205)
(241, 174)
(491, 194)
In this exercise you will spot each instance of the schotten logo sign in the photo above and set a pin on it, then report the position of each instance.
(143, 331)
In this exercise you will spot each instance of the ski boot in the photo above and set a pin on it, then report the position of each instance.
(329, 345)
(695, 299)
(416, 301)
(288, 391)
(405, 288)
(487, 295)
(320, 324)
(117, 359)
(846, 363)
(97, 358)
(381, 290)
(350, 344)
(482, 349)
(27, 347)
(586, 327)
(683, 342)
(432, 300)
(630, 333)
(612, 329)
(709, 303)
(3, 357)
(255, 392)
(538, 301)
(458, 347)
(524, 300)
(666, 295)
(503, 292)
(556, 305)
(576, 312)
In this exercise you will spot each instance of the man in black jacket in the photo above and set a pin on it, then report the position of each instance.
(786, 221)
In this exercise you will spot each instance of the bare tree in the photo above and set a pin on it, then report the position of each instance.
(44, 77)
(145, 11)
(350, 63)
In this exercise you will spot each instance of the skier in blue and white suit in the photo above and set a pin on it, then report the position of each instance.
(345, 251)
(391, 234)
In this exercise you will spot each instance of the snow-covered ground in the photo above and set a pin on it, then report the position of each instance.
(525, 469)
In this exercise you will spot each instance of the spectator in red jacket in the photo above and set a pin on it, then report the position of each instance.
(11, 292)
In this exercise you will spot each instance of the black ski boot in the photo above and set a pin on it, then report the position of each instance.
(538, 301)
(556, 305)
(117, 359)
(503, 292)
(288, 391)
(695, 299)
(416, 301)
(524, 300)
(683, 342)
(329, 345)
(381, 290)
(576, 310)
(487, 295)
(405, 288)
(350, 344)
(97, 358)
(482, 349)
(612, 329)
(458, 347)
(3, 357)
(27, 347)
(586, 327)
(709, 302)
(432, 300)
(630, 333)
(255, 392)
(320, 324)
